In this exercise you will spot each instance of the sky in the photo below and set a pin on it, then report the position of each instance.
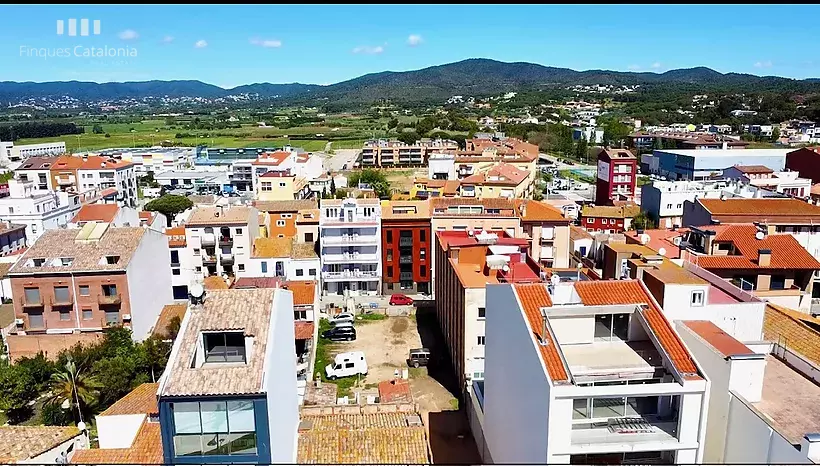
(230, 45)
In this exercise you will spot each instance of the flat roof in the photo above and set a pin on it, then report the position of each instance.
(789, 400)
(721, 341)
(713, 153)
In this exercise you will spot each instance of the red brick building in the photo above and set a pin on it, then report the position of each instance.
(406, 247)
(617, 176)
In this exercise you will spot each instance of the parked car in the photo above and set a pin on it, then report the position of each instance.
(419, 357)
(343, 323)
(340, 333)
(346, 365)
(400, 300)
(343, 317)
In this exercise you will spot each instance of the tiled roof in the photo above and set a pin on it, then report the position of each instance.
(450, 187)
(147, 216)
(576, 233)
(9, 227)
(95, 162)
(176, 237)
(618, 154)
(37, 163)
(406, 210)
(395, 391)
(379, 438)
(258, 282)
(796, 330)
(303, 330)
(721, 341)
(533, 297)
(501, 174)
(233, 215)
(671, 343)
(607, 211)
(304, 292)
(303, 251)
(96, 213)
(761, 209)
(215, 282)
(505, 205)
(169, 311)
(4, 268)
(67, 162)
(609, 292)
(753, 169)
(272, 158)
(671, 273)
(787, 253)
(141, 400)
(536, 211)
(266, 248)
(19, 443)
(56, 244)
(660, 238)
(246, 309)
(50, 344)
(308, 216)
(207, 199)
(146, 449)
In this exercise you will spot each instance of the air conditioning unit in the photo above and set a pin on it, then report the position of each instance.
(18, 322)
(126, 317)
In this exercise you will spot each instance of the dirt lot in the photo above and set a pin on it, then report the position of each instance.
(402, 178)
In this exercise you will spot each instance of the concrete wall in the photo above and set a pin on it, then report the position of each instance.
(118, 431)
(149, 282)
(694, 214)
(49, 457)
(750, 439)
(517, 390)
(279, 380)
(744, 321)
(574, 330)
(474, 327)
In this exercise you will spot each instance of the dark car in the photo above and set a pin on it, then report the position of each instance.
(419, 357)
(340, 334)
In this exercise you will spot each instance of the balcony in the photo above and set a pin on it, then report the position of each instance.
(351, 275)
(348, 257)
(175, 263)
(62, 301)
(226, 259)
(33, 303)
(109, 300)
(406, 276)
(36, 326)
(405, 241)
(621, 431)
(105, 323)
(65, 180)
(405, 259)
(225, 241)
(209, 260)
(208, 239)
(351, 239)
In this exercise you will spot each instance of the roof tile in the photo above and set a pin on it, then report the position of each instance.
(533, 297)
(141, 400)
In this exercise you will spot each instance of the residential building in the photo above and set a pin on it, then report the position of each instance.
(220, 239)
(38, 210)
(38, 171)
(157, 160)
(128, 432)
(774, 268)
(406, 247)
(428, 189)
(667, 243)
(617, 176)
(21, 152)
(647, 141)
(307, 226)
(501, 180)
(385, 153)
(441, 166)
(608, 219)
(88, 279)
(693, 164)
(485, 155)
(548, 232)
(281, 186)
(786, 182)
(64, 175)
(232, 374)
(106, 213)
(202, 181)
(153, 220)
(591, 134)
(465, 264)
(182, 262)
(40, 444)
(12, 238)
(586, 372)
(805, 161)
(301, 165)
(283, 217)
(761, 400)
(350, 246)
(282, 257)
(98, 173)
(580, 244)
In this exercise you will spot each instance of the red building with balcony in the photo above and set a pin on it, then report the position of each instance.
(406, 247)
(617, 176)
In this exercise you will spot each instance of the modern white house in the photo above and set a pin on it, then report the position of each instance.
(9, 152)
(220, 239)
(38, 210)
(283, 257)
(586, 373)
(350, 246)
(98, 173)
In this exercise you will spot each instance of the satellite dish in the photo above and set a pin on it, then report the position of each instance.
(81, 425)
(555, 280)
(662, 251)
(506, 268)
(760, 235)
(197, 291)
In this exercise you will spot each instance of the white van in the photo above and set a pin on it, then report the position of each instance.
(346, 364)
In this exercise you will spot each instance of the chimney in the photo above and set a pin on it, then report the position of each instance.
(764, 259)
(708, 240)
(810, 445)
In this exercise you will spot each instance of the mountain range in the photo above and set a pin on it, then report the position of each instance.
(472, 77)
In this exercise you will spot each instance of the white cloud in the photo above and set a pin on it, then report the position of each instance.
(763, 64)
(201, 44)
(167, 39)
(269, 43)
(128, 34)
(369, 50)
(633, 67)
(655, 65)
(414, 40)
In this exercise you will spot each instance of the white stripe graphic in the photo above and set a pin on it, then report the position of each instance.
(60, 27)
(96, 27)
(84, 27)
(72, 27)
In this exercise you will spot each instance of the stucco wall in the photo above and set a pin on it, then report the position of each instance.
(279, 380)
(149, 280)
(118, 431)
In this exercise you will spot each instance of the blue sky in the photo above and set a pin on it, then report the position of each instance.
(234, 45)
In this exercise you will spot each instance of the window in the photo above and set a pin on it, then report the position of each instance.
(422, 270)
(196, 251)
(389, 236)
(198, 269)
(224, 347)
(589, 220)
(481, 312)
(264, 267)
(286, 216)
(65, 315)
(35, 320)
(32, 295)
(389, 255)
(280, 223)
(175, 272)
(390, 272)
(112, 260)
(109, 290)
(112, 317)
(282, 184)
(481, 340)
(308, 237)
(697, 298)
(61, 294)
(238, 231)
(300, 272)
(778, 282)
(312, 272)
(668, 206)
(241, 267)
(88, 314)
(422, 253)
(300, 315)
(174, 257)
(214, 428)
(423, 235)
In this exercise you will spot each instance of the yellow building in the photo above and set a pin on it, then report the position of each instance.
(501, 180)
(281, 186)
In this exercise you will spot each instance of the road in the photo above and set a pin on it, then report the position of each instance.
(340, 158)
(563, 166)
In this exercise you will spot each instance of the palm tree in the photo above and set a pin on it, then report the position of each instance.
(72, 386)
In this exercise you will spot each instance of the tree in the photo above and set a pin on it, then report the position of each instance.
(39, 368)
(332, 186)
(374, 178)
(775, 134)
(107, 135)
(581, 150)
(16, 392)
(324, 193)
(169, 205)
(642, 221)
(408, 137)
(74, 386)
(97, 129)
(615, 132)
(54, 415)
(173, 327)
(392, 123)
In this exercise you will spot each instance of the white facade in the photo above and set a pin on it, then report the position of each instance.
(148, 274)
(350, 239)
(158, 161)
(118, 431)
(124, 179)
(16, 153)
(301, 165)
(182, 270)
(290, 269)
(219, 249)
(441, 167)
(37, 210)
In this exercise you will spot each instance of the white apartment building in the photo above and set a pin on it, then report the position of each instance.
(99, 173)
(586, 373)
(9, 152)
(182, 262)
(37, 170)
(302, 165)
(36, 209)
(283, 257)
(220, 239)
(350, 241)
(785, 182)
(159, 160)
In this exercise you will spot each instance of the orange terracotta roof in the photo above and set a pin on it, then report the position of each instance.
(50, 344)
(304, 292)
(502, 174)
(303, 330)
(609, 292)
(395, 391)
(169, 311)
(141, 400)
(96, 213)
(214, 282)
(659, 238)
(578, 233)
(146, 215)
(451, 187)
(671, 343)
(533, 297)
(146, 449)
(761, 209)
(721, 341)
(95, 162)
(67, 162)
(257, 282)
(438, 203)
(536, 211)
(176, 237)
(787, 253)
(272, 158)
(608, 211)
(753, 169)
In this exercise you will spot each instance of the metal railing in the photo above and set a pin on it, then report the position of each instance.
(351, 274)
